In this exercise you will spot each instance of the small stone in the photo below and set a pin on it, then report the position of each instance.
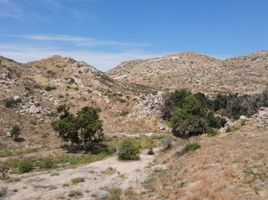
(16, 98)
(102, 194)
(150, 135)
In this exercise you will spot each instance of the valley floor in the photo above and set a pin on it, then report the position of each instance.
(228, 166)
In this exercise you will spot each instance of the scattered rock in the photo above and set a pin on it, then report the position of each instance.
(102, 194)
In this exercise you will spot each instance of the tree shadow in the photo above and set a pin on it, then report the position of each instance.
(93, 149)
(20, 139)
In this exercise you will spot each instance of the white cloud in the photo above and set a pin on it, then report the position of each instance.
(101, 60)
(82, 41)
(44, 10)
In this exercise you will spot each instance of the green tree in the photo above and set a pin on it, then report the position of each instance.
(185, 124)
(83, 128)
(89, 126)
(192, 115)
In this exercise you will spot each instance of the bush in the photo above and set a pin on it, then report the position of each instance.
(243, 122)
(150, 151)
(78, 180)
(233, 105)
(25, 166)
(185, 125)
(46, 163)
(191, 147)
(50, 88)
(15, 132)
(129, 149)
(212, 133)
(114, 193)
(228, 129)
(3, 192)
(10, 102)
(189, 114)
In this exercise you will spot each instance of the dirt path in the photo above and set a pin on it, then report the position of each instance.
(98, 176)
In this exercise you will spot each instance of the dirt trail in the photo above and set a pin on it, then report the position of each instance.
(97, 176)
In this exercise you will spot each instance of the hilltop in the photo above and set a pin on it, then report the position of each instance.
(199, 73)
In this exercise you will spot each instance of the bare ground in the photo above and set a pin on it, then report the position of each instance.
(101, 175)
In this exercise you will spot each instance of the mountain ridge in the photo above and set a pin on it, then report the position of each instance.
(198, 73)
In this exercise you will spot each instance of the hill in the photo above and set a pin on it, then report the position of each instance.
(41, 86)
(199, 73)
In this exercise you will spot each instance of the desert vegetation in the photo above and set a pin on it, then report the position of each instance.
(129, 149)
(234, 105)
(83, 128)
(190, 114)
(194, 114)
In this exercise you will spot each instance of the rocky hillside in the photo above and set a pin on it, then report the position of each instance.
(199, 73)
(37, 88)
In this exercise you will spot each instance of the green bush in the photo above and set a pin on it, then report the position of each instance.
(114, 193)
(190, 114)
(150, 151)
(191, 147)
(129, 149)
(50, 88)
(234, 105)
(185, 125)
(3, 192)
(10, 102)
(212, 133)
(15, 132)
(25, 166)
(46, 163)
(78, 180)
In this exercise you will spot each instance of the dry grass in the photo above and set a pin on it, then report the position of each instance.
(224, 168)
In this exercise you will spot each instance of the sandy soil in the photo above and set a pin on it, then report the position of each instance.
(98, 176)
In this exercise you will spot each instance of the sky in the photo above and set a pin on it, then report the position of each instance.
(106, 32)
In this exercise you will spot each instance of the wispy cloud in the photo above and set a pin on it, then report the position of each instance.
(82, 41)
(101, 60)
(43, 10)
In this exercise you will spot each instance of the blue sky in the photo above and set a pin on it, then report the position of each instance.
(106, 32)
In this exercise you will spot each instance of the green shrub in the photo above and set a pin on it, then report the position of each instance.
(46, 163)
(234, 105)
(3, 192)
(184, 124)
(191, 147)
(212, 133)
(189, 114)
(123, 113)
(230, 129)
(15, 132)
(78, 180)
(54, 174)
(25, 166)
(70, 80)
(10, 102)
(243, 122)
(50, 88)
(114, 193)
(129, 149)
(150, 151)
